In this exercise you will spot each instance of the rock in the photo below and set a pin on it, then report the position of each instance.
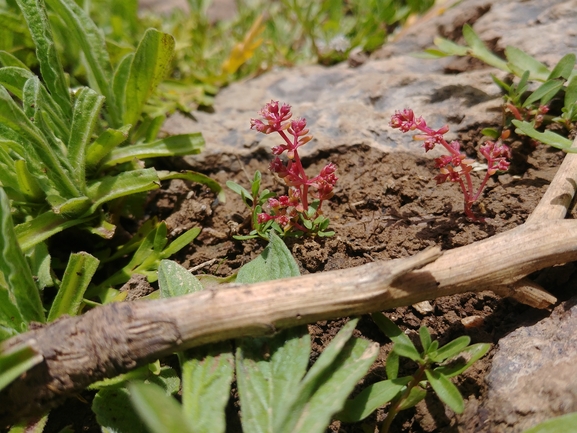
(346, 105)
(532, 375)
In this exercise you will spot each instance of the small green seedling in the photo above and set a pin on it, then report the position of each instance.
(435, 366)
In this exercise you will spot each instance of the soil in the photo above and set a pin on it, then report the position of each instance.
(385, 206)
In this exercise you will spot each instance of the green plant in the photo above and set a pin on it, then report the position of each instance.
(405, 392)
(527, 107)
(564, 423)
(292, 214)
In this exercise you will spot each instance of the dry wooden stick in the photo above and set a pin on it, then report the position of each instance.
(112, 339)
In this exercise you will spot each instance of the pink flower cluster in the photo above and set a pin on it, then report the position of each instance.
(286, 210)
(454, 167)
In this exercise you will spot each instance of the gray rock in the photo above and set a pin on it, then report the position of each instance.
(533, 374)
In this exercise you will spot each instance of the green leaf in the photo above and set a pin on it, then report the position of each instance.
(27, 184)
(17, 360)
(467, 357)
(34, 12)
(425, 338)
(416, 395)
(42, 227)
(175, 145)
(85, 114)
(13, 79)
(240, 190)
(91, 41)
(255, 187)
(148, 68)
(326, 386)
(450, 349)
(547, 137)
(371, 398)
(392, 365)
(21, 287)
(480, 50)
(207, 373)
(119, 81)
(544, 93)
(9, 60)
(276, 261)
(180, 242)
(450, 48)
(126, 183)
(115, 413)
(104, 144)
(174, 280)
(565, 423)
(403, 345)
(564, 68)
(78, 274)
(160, 413)
(193, 176)
(571, 93)
(39, 260)
(446, 391)
(519, 62)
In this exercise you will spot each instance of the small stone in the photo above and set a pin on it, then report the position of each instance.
(423, 307)
(472, 321)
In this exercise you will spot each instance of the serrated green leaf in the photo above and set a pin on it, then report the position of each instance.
(34, 12)
(85, 114)
(148, 68)
(371, 398)
(126, 183)
(207, 373)
(323, 391)
(519, 62)
(564, 67)
(174, 280)
(17, 360)
(547, 137)
(470, 355)
(159, 412)
(446, 391)
(21, 287)
(175, 145)
(77, 275)
(450, 349)
(402, 344)
(565, 423)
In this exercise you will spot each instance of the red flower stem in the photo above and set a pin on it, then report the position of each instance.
(302, 175)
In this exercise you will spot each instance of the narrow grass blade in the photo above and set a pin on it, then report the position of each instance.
(85, 114)
(148, 68)
(180, 242)
(160, 413)
(21, 286)
(78, 274)
(104, 144)
(207, 373)
(371, 398)
(176, 145)
(93, 45)
(174, 280)
(16, 361)
(34, 12)
(42, 227)
(446, 391)
(126, 183)
(325, 388)
(194, 176)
